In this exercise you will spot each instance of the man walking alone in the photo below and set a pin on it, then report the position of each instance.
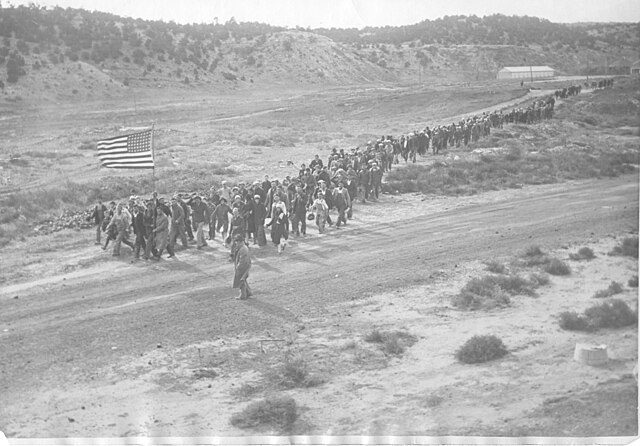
(242, 262)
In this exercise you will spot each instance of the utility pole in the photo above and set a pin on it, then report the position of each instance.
(531, 71)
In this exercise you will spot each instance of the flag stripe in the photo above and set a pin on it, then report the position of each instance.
(129, 165)
(133, 151)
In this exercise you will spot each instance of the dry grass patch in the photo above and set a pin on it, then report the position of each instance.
(511, 168)
(278, 412)
(391, 342)
(493, 266)
(492, 291)
(291, 373)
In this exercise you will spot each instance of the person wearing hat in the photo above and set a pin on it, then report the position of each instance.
(258, 190)
(225, 191)
(120, 223)
(148, 219)
(177, 227)
(98, 215)
(220, 218)
(138, 229)
(254, 214)
(376, 180)
(259, 216)
(161, 233)
(299, 212)
(328, 198)
(321, 211)
(132, 201)
(364, 183)
(200, 216)
(342, 202)
(238, 225)
(242, 262)
(278, 223)
(324, 175)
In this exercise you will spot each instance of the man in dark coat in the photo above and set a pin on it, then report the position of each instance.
(299, 212)
(259, 216)
(364, 183)
(242, 262)
(376, 180)
(139, 230)
(97, 216)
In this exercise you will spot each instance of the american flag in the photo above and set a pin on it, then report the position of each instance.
(132, 151)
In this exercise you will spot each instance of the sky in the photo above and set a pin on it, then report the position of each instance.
(350, 13)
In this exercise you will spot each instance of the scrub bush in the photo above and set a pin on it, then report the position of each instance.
(481, 349)
(613, 314)
(583, 254)
(628, 247)
(557, 268)
(614, 288)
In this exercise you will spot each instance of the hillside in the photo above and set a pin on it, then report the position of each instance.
(56, 54)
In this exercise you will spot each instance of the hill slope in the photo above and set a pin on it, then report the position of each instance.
(61, 53)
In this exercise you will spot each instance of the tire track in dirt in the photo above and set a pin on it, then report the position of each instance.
(176, 304)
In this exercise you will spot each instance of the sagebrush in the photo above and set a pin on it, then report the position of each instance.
(613, 314)
(557, 267)
(628, 247)
(613, 289)
(481, 349)
(570, 320)
(584, 253)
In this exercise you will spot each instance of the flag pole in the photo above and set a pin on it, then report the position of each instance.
(153, 156)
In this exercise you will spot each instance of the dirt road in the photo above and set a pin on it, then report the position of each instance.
(62, 329)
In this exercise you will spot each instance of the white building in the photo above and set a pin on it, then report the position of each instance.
(526, 72)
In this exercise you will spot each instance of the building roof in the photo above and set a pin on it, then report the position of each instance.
(636, 64)
(527, 69)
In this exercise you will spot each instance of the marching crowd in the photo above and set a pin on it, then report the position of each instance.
(244, 211)
(241, 214)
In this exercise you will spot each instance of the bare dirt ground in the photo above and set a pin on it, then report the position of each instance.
(93, 346)
(112, 348)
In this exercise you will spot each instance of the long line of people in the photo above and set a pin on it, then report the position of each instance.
(464, 132)
(245, 211)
